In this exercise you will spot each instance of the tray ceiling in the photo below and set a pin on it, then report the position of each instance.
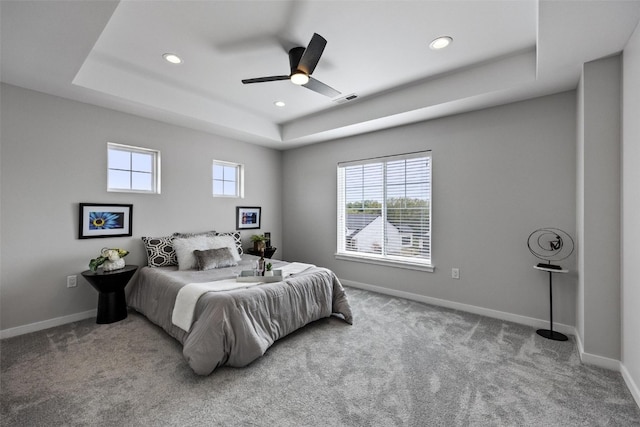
(109, 53)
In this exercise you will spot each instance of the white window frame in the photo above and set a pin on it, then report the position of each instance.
(155, 172)
(239, 179)
(421, 264)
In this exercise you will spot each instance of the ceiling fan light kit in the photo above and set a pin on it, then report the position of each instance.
(299, 78)
(302, 62)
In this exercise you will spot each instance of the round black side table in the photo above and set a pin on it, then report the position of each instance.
(112, 305)
(268, 252)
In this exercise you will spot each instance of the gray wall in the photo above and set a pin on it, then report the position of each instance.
(598, 207)
(631, 212)
(54, 156)
(498, 174)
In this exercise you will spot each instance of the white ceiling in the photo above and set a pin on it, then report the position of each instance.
(109, 53)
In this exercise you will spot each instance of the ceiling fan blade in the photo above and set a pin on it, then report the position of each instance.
(312, 54)
(321, 88)
(265, 79)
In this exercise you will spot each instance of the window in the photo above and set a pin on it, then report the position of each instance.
(384, 210)
(132, 169)
(228, 179)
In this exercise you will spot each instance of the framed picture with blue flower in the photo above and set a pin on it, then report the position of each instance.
(104, 220)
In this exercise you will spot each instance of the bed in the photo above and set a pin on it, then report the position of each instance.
(235, 327)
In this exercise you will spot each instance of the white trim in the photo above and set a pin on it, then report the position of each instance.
(594, 359)
(633, 387)
(155, 171)
(46, 324)
(579, 345)
(385, 261)
(239, 170)
(601, 362)
(510, 317)
(391, 158)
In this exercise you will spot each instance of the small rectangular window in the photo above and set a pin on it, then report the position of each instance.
(228, 179)
(132, 169)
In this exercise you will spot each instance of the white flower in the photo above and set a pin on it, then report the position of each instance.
(113, 255)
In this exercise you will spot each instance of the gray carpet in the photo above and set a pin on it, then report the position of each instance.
(402, 363)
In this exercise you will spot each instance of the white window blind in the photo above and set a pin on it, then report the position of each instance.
(384, 208)
(132, 169)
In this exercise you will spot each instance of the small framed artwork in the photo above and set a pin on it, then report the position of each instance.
(247, 218)
(104, 220)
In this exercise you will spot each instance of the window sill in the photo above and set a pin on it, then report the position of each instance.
(122, 190)
(386, 262)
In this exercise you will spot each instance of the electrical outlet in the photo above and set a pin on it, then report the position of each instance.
(455, 273)
(72, 281)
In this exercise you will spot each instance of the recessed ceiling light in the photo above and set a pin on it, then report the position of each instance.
(173, 58)
(279, 104)
(440, 42)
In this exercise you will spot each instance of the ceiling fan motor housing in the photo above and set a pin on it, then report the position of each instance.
(294, 59)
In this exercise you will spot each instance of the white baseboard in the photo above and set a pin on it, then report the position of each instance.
(46, 324)
(631, 384)
(502, 315)
(612, 364)
(594, 359)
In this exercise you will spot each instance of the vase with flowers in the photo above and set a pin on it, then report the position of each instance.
(109, 259)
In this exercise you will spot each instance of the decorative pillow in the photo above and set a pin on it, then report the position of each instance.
(228, 241)
(203, 233)
(236, 238)
(184, 250)
(214, 258)
(160, 252)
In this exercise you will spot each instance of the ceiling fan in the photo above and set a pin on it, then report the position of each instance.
(303, 62)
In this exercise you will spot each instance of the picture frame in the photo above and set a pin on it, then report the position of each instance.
(248, 217)
(97, 220)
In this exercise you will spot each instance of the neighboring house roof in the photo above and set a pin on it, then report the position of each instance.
(356, 222)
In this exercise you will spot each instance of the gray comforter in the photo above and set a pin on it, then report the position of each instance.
(235, 327)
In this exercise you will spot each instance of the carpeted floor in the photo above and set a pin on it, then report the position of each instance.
(402, 363)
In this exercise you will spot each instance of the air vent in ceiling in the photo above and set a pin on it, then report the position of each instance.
(344, 99)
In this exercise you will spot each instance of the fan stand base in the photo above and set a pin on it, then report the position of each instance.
(552, 335)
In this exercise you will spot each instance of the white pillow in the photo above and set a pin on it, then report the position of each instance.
(184, 248)
(227, 241)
